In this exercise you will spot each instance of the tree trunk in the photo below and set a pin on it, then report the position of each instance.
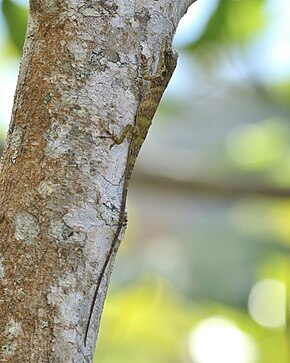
(61, 174)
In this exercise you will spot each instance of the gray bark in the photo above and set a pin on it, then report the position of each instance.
(61, 174)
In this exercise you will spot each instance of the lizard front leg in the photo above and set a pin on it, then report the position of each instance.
(161, 70)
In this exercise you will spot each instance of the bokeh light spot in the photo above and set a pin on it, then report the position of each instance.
(217, 340)
(267, 303)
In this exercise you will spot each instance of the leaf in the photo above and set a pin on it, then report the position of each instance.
(16, 20)
(233, 21)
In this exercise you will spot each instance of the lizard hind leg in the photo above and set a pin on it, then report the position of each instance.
(129, 131)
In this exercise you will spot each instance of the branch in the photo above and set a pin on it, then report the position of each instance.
(219, 188)
(184, 5)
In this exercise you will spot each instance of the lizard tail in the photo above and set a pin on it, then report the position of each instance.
(103, 270)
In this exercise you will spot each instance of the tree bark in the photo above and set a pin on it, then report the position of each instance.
(61, 175)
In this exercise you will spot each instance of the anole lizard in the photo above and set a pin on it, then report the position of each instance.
(144, 116)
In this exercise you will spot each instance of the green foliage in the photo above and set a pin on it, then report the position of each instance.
(260, 149)
(233, 21)
(280, 92)
(260, 145)
(150, 322)
(16, 20)
(144, 324)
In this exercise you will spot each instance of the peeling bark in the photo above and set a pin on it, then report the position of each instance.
(61, 174)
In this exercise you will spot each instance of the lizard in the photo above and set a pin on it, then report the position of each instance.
(158, 82)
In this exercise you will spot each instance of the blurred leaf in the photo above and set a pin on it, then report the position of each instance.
(144, 325)
(275, 267)
(267, 220)
(150, 322)
(280, 92)
(233, 21)
(258, 146)
(16, 19)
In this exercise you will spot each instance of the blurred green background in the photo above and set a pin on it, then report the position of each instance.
(203, 272)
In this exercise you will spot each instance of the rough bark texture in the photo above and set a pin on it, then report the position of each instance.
(61, 174)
